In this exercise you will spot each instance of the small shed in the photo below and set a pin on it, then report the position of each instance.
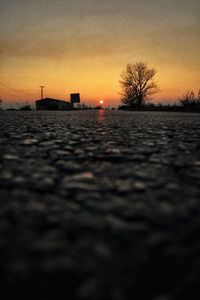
(52, 104)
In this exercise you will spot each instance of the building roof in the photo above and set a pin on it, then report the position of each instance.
(50, 99)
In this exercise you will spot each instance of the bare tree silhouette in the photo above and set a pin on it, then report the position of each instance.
(189, 101)
(138, 84)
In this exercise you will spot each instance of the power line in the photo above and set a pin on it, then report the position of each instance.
(7, 93)
(8, 87)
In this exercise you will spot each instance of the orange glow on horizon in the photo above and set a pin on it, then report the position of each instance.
(93, 78)
(84, 48)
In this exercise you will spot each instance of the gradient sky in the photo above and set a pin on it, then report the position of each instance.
(84, 45)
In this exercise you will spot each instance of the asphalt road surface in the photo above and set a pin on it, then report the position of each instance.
(99, 205)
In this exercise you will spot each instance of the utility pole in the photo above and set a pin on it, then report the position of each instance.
(42, 87)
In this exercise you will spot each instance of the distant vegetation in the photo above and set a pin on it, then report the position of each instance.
(138, 84)
(187, 103)
(26, 107)
(190, 102)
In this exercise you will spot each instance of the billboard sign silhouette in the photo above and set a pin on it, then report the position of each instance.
(75, 98)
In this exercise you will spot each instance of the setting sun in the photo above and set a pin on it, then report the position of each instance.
(84, 46)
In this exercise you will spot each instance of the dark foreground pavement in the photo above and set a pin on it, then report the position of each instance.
(98, 205)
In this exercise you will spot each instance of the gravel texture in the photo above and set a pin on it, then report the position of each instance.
(99, 205)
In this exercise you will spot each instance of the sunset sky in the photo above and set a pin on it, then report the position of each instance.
(84, 45)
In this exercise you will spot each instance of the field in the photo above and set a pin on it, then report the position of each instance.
(99, 204)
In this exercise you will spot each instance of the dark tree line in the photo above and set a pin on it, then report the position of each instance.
(190, 102)
(138, 85)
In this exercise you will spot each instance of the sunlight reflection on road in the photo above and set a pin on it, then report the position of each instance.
(101, 116)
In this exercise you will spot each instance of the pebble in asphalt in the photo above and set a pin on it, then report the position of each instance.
(99, 205)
